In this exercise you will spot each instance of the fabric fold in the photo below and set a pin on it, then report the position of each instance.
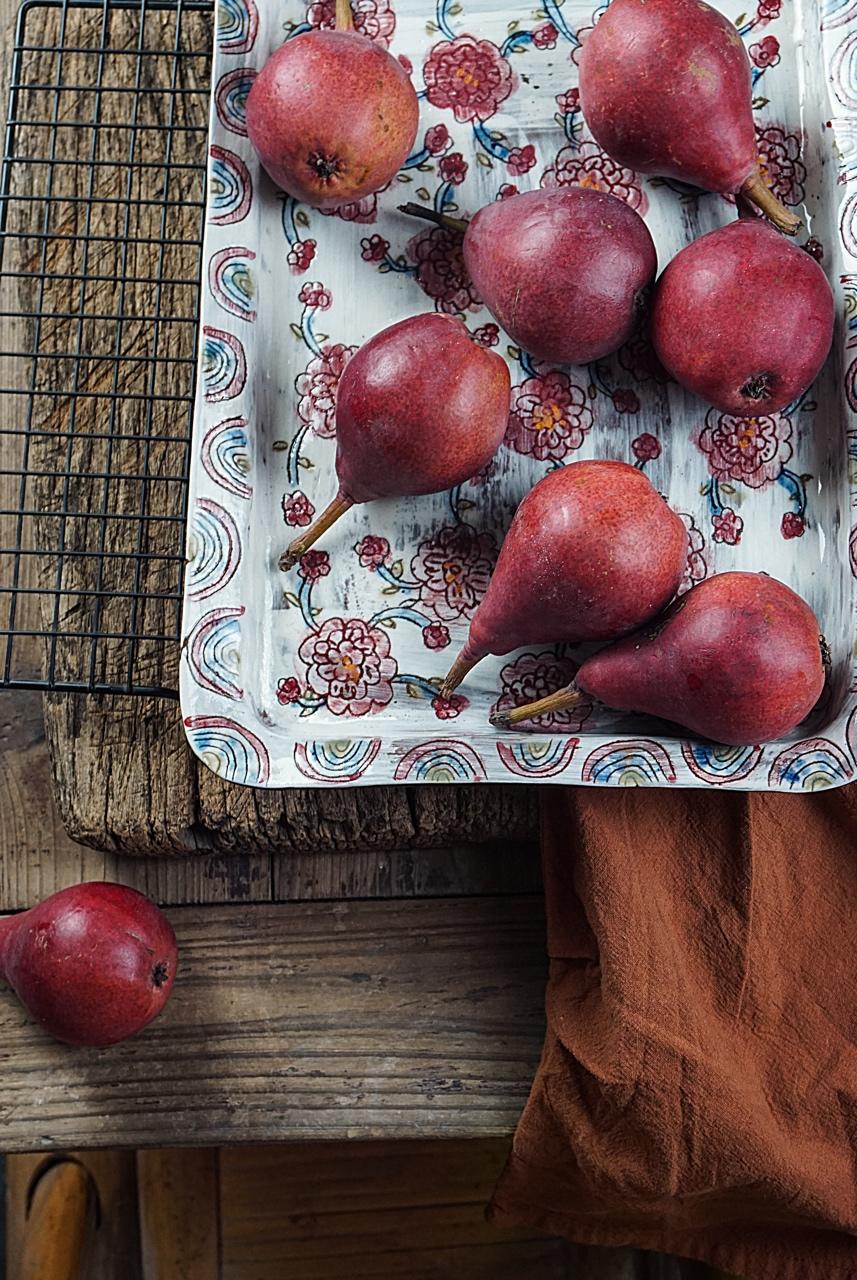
(697, 1093)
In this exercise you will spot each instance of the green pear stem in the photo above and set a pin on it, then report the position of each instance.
(304, 541)
(761, 195)
(344, 18)
(459, 669)
(432, 215)
(559, 701)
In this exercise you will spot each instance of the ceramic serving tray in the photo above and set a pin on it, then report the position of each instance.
(329, 675)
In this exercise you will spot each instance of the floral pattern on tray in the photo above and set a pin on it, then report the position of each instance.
(330, 675)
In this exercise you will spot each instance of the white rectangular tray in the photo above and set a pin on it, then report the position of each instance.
(288, 293)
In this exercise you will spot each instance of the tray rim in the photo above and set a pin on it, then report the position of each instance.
(231, 737)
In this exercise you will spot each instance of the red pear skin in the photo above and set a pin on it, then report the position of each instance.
(92, 964)
(332, 116)
(592, 552)
(743, 318)
(420, 407)
(737, 659)
(562, 271)
(665, 87)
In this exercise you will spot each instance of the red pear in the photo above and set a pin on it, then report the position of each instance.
(743, 318)
(665, 87)
(332, 115)
(592, 552)
(420, 408)
(738, 659)
(92, 964)
(563, 271)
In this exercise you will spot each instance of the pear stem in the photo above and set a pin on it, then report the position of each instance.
(459, 669)
(304, 541)
(344, 19)
(433, 215)
(763, 197)
(559, 701)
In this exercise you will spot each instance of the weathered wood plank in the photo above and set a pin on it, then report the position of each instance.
(374, 1019)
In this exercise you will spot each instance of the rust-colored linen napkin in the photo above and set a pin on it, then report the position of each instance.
(697, 1092)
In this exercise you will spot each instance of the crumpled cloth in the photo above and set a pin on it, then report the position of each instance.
(697, 1092)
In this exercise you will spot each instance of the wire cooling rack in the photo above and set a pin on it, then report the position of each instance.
(101, 212)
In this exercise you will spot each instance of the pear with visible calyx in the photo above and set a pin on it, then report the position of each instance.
(739, 659)
(420, 407)
(709, 331)
(593, 551)
(563, 271)
(332, 115)
(666, 88)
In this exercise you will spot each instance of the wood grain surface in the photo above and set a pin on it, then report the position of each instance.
(309, 1020)
(178, 1196)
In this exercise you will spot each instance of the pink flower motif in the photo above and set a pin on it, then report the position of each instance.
(752, 450)
(316, 388)
(545, 37)
(313, 565)
(453, 568)
(469, 76)
(535, 675)
(441, 272)
(437, 139)
(550, 417)
(695, 568)
(487, 335)
(766, 53)
(521, 159)
(374, 248)
(449, 708)
(625, 400)
(315, 295)
(297, 508)
(793, 525)
(300, 255)
(767, 10)
(373, 551)
(568, 102)
(372, 18)
(506, 190)
(588, 166)
(815, 249)
(405, 61)
(780, 164)
(453, 168)
(727, 527)
(435, 636)
(363, 210)
(349, 664)
(638, 358)
(288, 690)
(646, 447)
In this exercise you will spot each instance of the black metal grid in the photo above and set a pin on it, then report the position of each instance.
(101, 213)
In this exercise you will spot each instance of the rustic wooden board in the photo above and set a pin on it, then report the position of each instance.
(375, 1211)
(374, 1019)
(125, 778)
(179, 1208)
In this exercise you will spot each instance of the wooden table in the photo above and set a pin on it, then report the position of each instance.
(354, 964)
